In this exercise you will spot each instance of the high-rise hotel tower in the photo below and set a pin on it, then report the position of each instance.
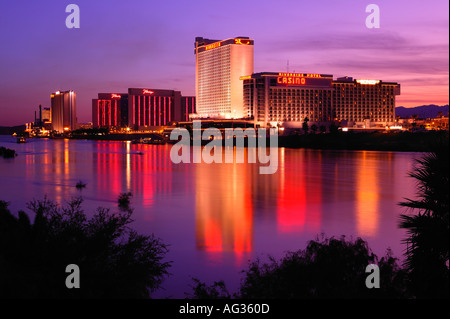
(63, 111)
(218, 68)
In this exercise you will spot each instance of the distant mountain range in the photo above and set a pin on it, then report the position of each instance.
(9, 130)
(423, 111)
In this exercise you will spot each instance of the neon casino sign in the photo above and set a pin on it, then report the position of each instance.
(242, 41)
(296, 78)
(115, 96)
(213, 45)
(147, 91)
(291, 80)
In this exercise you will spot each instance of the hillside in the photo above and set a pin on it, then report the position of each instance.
(423, 111)
(9, 130)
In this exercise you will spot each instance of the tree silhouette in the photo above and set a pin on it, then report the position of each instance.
(114, 261)
(326, 268)
(427, 253)
(305, 125)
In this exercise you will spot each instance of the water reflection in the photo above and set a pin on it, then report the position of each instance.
(299, 193)
(227, 213)
(367, 195)
(143, 170)
(224, 209)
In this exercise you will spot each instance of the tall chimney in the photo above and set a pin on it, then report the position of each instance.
(40, 115)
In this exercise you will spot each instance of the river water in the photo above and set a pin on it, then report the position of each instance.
(217, 217)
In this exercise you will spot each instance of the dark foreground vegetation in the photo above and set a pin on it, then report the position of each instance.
(376, 141)
(326, 268)
(114, 261)
(427, 223)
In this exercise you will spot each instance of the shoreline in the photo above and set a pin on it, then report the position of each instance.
(375, 141)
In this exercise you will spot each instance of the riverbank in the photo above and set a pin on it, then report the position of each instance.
(377, 141)
(116, 136)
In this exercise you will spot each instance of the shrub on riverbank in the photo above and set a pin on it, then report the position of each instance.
(114, 261)
(326, 268)
(7, 153)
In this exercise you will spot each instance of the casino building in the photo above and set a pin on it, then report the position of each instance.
(141, 108)
(274, 99)
(286, 99)
(371, 102)
(218, 68)
(110, 110)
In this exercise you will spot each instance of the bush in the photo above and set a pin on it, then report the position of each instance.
(327, 268)
(7, 153)
(114, 261)
(124, 200)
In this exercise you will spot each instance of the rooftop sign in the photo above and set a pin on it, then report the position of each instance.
(371, 82)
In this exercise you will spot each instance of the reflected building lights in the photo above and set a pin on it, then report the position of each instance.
(224, 209)
(66, 157)
(291, 199)
(367, 198)
(299, 199)
(128, 166)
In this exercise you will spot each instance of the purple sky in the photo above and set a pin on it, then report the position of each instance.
(122, 44)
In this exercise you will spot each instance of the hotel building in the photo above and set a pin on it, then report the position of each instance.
(273, 99)
(371, 102)
(218, 68)
(141, 108)
(110, 110)
(187, 107)
(63, 111)
(150, 107)
(286, 99)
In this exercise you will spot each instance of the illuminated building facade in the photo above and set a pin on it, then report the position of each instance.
(370, 101)
(218, 68)
(46, 115)
(286, 99)
(110, 110)
(272, 99)
(150, 107)
(187, 107)
(63, 111)
(141, 108)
